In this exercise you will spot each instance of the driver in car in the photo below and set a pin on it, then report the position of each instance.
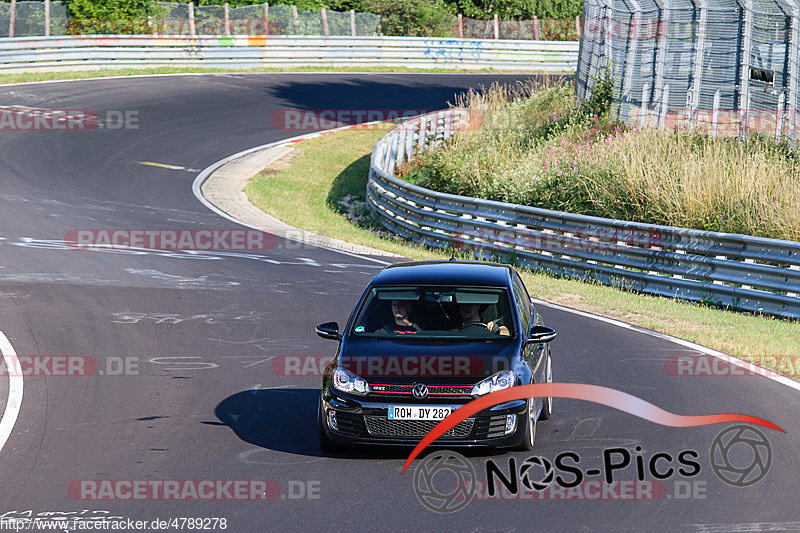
(471, 316)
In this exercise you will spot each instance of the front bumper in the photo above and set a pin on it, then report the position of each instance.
(360, 421)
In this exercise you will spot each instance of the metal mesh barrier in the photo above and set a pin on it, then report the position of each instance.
(30, 19)
(727, 67)
(540, 29)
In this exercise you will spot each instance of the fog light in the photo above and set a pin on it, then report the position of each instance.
(511, 423)
(332, 419)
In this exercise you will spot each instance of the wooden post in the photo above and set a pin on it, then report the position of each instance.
(295, 21)
(352, 23)
(536, 28)
(192, 30)
(266, 20)
(496, 27)
(324, 21)
(47, 18)
(578, 25)
(460, 27)
(227, 19)
(12, 15)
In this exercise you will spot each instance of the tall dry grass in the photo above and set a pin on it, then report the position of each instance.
(533, 147)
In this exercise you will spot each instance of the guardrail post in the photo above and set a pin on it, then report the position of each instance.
(227, 19)
(410, 140)
(192, 29)
(645, 109)
(715, 115)
(460, 27)
(12, 15)
(324, 15)
(535, 28)
(295, 19)
(266, 20)
(791, 102)
(661, 58)
(779, 117)
(47, 18)
(662, 117)
(608, 50)
(423, 131)
(699, 53)
(352, 23)
(630, 60)
(744, 65)
(496, 27)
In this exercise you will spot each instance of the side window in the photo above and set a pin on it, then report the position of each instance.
(523, 304)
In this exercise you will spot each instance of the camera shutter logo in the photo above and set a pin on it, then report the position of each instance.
(420, 391)
(455, 497)
(542, 463)
(733, 442)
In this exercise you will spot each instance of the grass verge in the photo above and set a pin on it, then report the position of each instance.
(24, 77)
(323, 189)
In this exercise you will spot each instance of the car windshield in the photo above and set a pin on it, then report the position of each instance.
(436, 312)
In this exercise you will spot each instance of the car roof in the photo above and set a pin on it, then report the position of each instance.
(477, 273)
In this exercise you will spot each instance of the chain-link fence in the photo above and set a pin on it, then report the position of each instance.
(46, 17)
(25, 19)
(28, 19)
(535, 29)
(727, 67)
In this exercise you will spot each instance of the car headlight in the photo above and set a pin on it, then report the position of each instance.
(501, 380)
(346, 381)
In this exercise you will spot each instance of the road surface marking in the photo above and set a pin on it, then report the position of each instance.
(14, 391)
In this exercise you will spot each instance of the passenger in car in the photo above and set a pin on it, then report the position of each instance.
(401, 319)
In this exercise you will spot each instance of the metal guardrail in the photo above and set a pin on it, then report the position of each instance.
(26, 54)
(740, 271)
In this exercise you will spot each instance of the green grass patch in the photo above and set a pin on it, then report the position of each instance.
(323, 189)
(25, 77)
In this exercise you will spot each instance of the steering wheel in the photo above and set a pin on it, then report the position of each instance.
(470, 324)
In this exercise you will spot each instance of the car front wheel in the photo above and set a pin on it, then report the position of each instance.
(529, 428)
(547, 408)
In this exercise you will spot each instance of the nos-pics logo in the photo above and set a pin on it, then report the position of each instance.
(445, 481)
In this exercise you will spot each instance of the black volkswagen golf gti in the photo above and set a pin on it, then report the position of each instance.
(426, 338)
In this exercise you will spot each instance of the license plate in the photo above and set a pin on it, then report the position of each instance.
(418, 412)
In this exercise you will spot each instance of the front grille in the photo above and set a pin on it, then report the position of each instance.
(434, 391)
(380, 426)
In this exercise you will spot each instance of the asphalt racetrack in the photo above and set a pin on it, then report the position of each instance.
(187, 386)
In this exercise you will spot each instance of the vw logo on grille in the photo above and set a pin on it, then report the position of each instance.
(420, 391)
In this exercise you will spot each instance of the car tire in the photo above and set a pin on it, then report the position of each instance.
(529, 431)
(547, 408)
(325, 442)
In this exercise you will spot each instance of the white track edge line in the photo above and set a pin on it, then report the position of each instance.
(750, 367)
(14, 401)
(234, 72)
(206, 173)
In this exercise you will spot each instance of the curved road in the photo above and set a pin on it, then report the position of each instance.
(204, 399)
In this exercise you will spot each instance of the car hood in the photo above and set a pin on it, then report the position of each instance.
(407, 361)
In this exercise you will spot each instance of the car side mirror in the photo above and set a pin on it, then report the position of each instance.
(328, 330)
(540, 334)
